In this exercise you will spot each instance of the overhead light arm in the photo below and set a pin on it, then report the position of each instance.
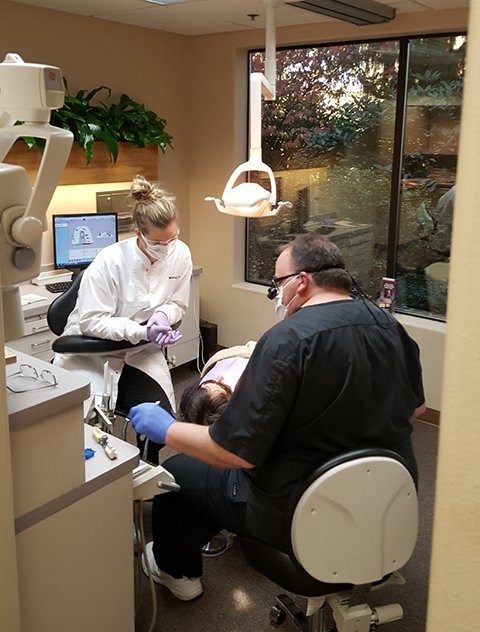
(259, 86)
(249, 199)
(270, 48)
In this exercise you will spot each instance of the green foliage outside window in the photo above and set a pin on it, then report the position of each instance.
(329, 138)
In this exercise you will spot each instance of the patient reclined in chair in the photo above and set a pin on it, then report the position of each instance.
(205, 400)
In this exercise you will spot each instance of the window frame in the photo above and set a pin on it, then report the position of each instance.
(404, 43)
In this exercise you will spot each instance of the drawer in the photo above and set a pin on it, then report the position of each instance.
(183, 352)
(46, 356)
(34, 344)
(36, 325)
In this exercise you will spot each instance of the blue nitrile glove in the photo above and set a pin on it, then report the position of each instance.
(151, 420)
(160, 332)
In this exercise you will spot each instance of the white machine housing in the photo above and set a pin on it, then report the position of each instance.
(28, 93)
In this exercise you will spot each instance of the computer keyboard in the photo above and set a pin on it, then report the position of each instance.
(61, 286)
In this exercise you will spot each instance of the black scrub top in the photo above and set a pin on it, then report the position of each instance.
(328, 379)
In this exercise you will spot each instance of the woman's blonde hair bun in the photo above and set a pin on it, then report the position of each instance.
(142, 190)
(152, 206)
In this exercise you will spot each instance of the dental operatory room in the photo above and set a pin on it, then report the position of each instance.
(232, 234)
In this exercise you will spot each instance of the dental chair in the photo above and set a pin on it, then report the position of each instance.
(352, 524)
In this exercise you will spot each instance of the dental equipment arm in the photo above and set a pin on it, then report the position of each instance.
(249, 199)
(28, 92)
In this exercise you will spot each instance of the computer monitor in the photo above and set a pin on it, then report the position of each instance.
(77, 239)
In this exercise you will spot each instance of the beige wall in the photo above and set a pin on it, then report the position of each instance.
(455, 573)
(148, 65)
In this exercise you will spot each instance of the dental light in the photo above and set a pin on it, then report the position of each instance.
(249, 199)
(28, 92)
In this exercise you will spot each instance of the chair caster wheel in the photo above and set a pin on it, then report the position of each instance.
(277, 616)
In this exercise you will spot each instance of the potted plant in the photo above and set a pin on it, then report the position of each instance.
(126, 120)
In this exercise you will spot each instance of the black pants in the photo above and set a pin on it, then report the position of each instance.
(183, 522)
(136, 387)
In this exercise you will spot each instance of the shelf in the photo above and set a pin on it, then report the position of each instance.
(131, 161)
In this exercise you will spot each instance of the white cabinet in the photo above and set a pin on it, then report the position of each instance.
(38, 338)
(187, 348)
(73, 518)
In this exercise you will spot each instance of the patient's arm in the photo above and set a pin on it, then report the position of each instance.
(196, 442)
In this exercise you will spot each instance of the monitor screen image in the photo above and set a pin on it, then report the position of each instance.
(77, 239)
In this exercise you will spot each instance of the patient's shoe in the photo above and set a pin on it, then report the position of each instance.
(185, 588)
(219, 544)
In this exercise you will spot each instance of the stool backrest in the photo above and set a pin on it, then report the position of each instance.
(60, 308)
(357, 521)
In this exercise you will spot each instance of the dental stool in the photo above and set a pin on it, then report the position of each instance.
(352, 524)
(57, 317)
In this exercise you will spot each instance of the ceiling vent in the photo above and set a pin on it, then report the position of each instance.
(359, 12)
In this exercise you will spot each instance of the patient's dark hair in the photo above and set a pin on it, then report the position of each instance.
(198, 406)
(320, 257)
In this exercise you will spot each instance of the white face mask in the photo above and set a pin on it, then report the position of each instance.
(280, 308)
(159, 251)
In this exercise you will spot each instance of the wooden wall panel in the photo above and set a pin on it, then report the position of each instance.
(131, 161)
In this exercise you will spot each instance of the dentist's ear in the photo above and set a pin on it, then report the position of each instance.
(304, 281)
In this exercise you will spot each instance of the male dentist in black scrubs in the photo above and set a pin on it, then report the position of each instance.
(334, 375)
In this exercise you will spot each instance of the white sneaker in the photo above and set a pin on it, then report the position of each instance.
(185, 588)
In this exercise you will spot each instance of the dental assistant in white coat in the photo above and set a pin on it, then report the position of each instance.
(145, 278)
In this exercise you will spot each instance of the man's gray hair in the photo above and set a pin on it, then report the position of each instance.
(320, 257)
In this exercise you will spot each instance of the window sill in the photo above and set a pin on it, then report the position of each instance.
(251, 287)
(428, 324)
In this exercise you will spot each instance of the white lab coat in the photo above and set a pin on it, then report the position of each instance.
(119, 290)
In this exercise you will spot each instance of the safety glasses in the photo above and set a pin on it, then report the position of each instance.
(273, 289)
(149, 242)
(27, 377)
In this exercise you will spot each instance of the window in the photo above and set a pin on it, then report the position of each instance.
(335, 141)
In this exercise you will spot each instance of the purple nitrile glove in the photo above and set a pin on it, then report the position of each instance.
(151, 420)
(157, 327)
(170, 338)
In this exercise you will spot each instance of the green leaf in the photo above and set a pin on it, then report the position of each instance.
(125, 120)
(31, 142)
(92, 93)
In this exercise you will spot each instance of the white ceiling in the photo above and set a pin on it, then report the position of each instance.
(200, 17)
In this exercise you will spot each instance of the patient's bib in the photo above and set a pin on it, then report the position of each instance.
(227, 371)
